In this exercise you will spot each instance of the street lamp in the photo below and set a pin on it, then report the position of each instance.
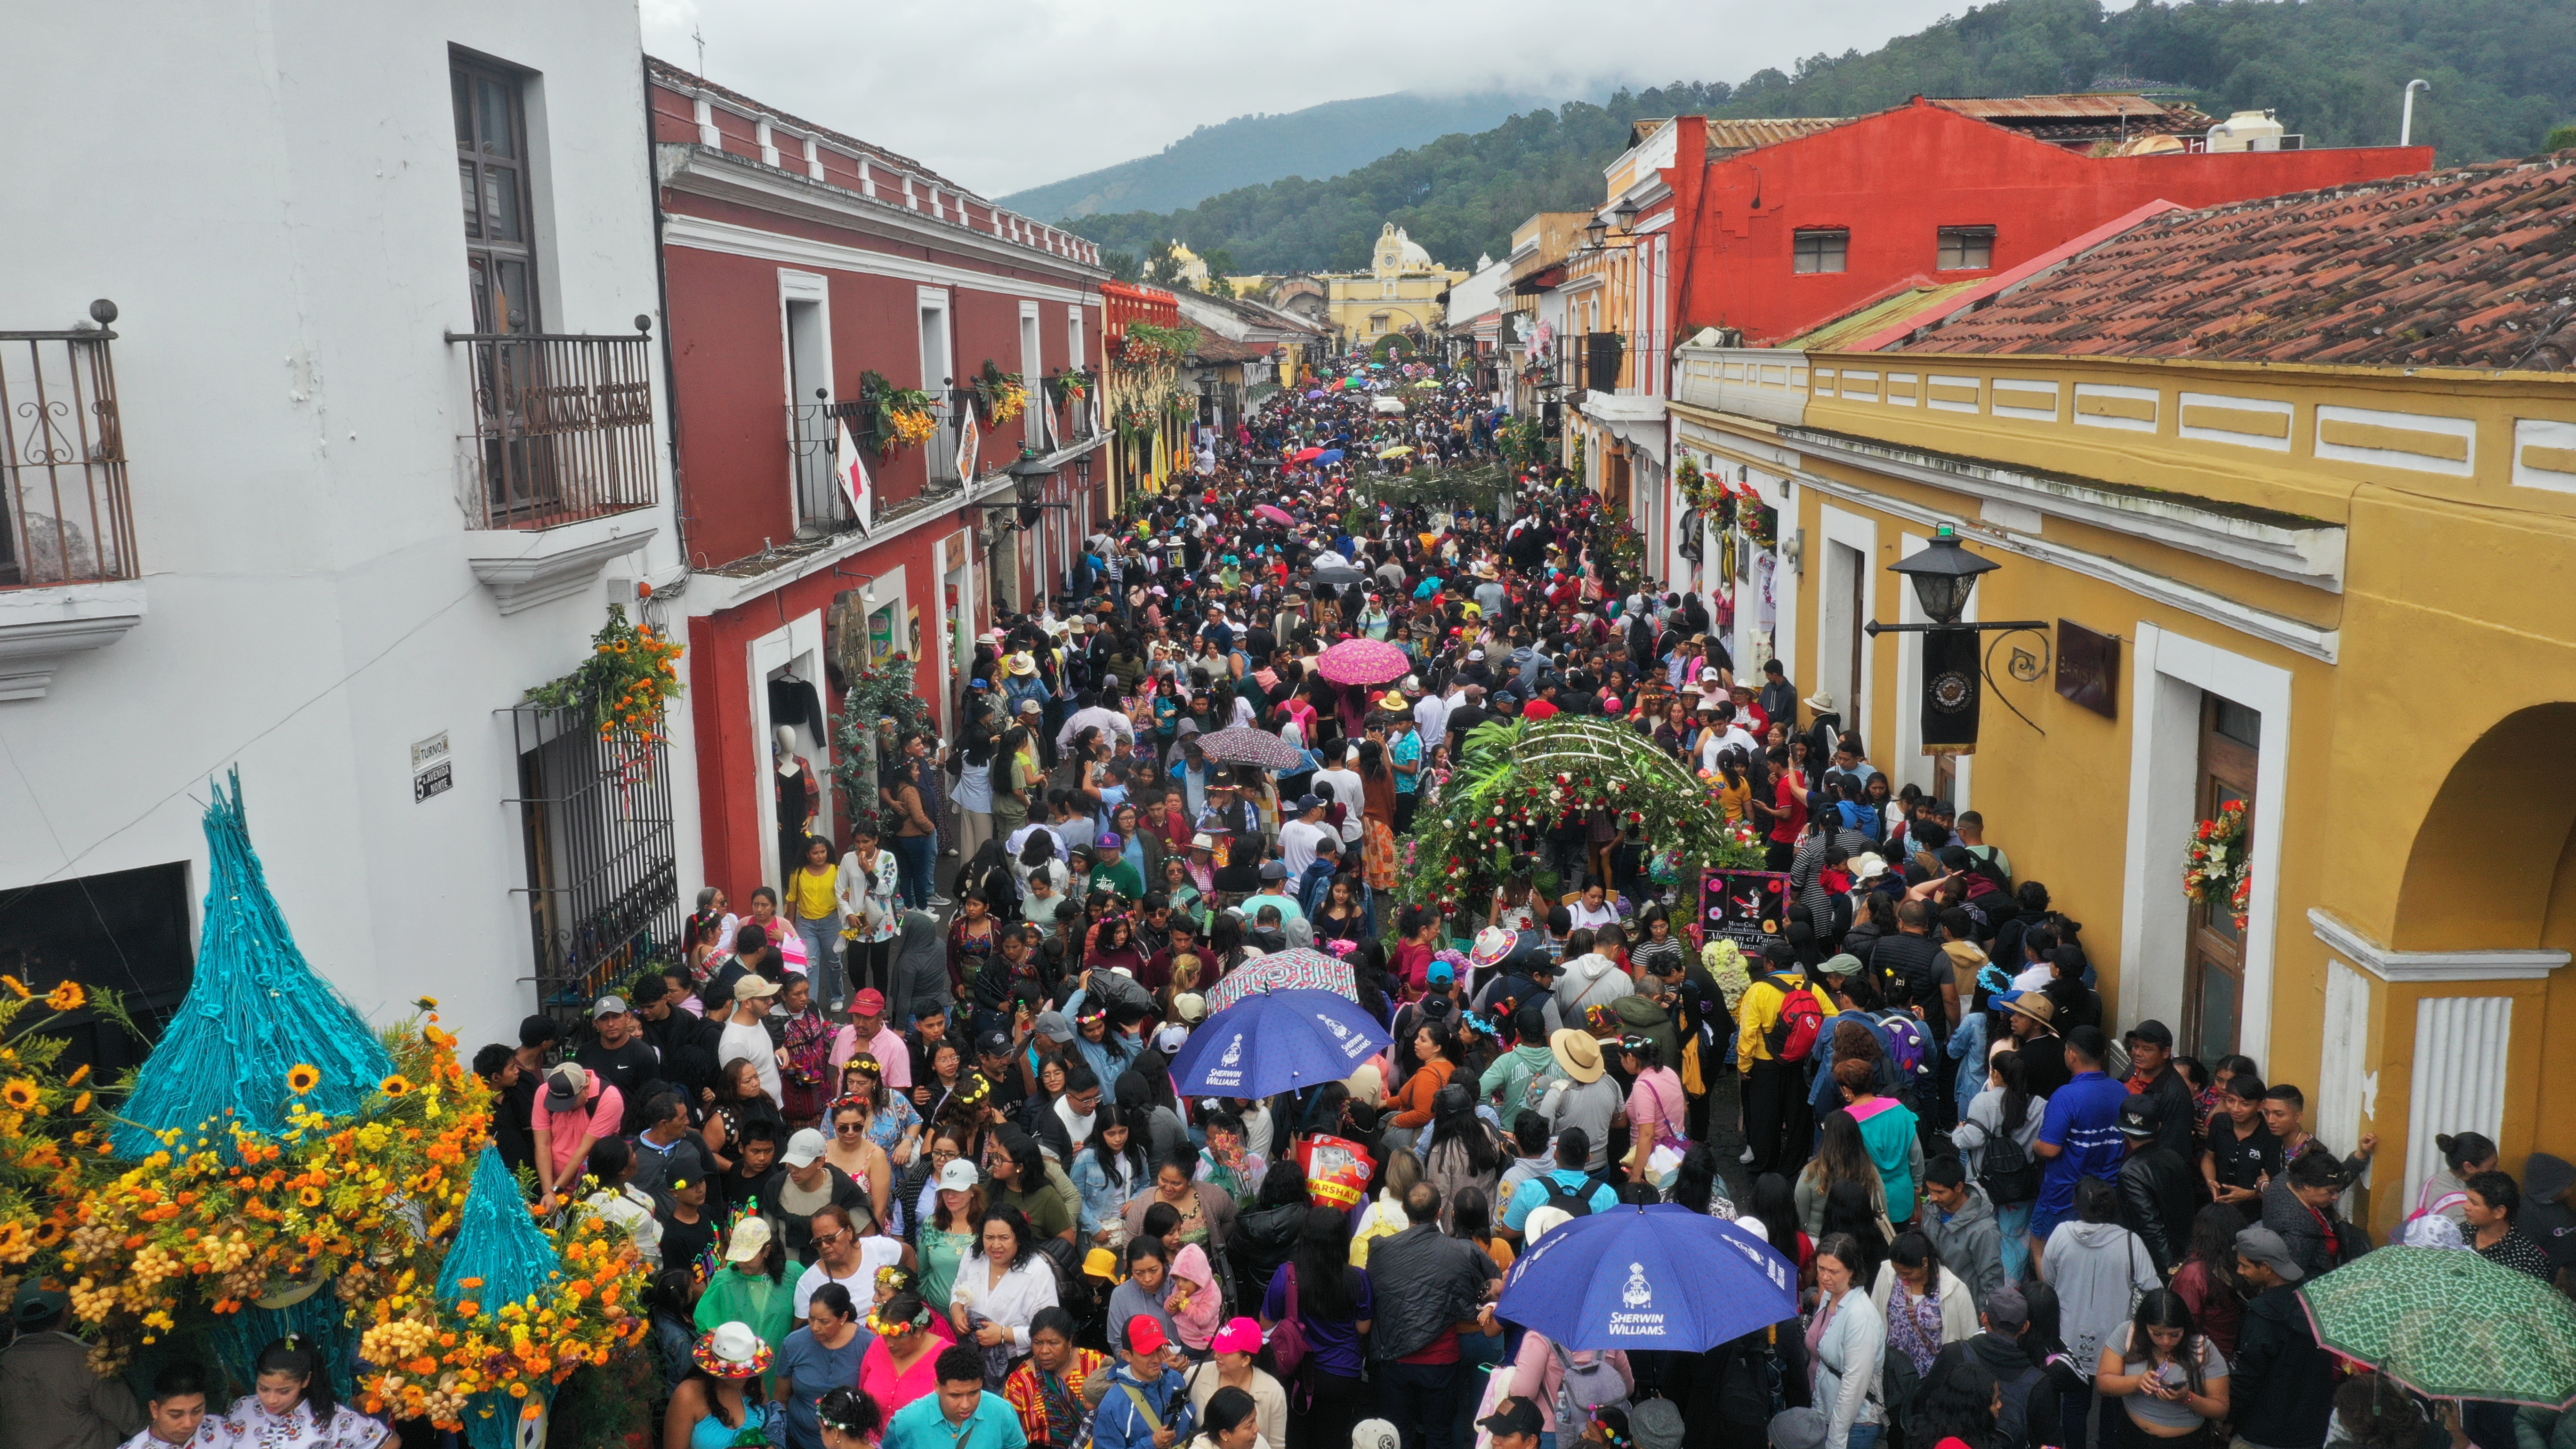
(1593, 233)
(1943, 574)
(1627, 214)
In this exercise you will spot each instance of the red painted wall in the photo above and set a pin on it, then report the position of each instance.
(729, 775)
(1895, 178)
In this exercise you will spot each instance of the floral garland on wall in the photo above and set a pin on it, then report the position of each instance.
(862, 736)
(627, 684)
(892, 417)
(1519, 778)
(2216, 867)
(1001, 396)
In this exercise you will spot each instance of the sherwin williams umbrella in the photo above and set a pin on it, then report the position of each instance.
(1277, 1041)
(1660, 1277)
(1244, 745)
(2449, 1324)
(1363, 661)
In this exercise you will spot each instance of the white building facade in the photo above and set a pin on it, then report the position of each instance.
(321, 532)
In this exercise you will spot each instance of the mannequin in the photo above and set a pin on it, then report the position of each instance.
(799, 800)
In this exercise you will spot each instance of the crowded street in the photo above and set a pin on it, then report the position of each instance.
(1729, 829)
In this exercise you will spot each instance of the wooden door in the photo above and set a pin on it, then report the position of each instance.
(2214, 974)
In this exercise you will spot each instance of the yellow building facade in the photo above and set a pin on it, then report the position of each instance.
(1401, 289)
(2337, 593)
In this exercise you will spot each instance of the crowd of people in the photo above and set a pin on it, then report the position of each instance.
(903, 1143)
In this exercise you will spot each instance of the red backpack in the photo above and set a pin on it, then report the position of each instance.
(1793, 1037)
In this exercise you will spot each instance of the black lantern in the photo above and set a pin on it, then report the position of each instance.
(1943, 574)
(1626, 211)
(1595, 232)
(1029, 476)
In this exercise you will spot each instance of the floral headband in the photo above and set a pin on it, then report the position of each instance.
(864, 1062)
(898, 1279)
(885, 1327)
(1613, 1434)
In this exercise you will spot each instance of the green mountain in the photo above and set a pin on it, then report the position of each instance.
(1324, 140)
(2503, 73)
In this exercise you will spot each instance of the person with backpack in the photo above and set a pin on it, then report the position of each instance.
(1779, 1020)
(1887, 1130)
(1572, 1187)
(1147, 1405)
(1569, 1387)
(1998, 1143)
(2029, 1397)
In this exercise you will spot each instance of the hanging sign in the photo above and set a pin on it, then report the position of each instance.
(1743, 906)
(1952, 690)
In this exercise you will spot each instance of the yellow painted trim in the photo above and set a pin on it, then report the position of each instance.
(2253, 422)
(2449, 447)
(2549, 460)
(1952, 392)
(2095, 406)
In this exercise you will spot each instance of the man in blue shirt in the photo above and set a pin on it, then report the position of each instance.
(1573, 1151)
(2080, 1135)
(961, 1415)
(1148, 1403)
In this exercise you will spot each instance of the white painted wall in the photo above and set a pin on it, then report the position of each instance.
(269, 193)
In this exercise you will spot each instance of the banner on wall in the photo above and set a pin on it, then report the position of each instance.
(1952, 691)
(969, 440)
(853, 468)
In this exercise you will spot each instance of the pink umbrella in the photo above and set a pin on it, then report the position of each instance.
(1363, 661)
(1276, 514)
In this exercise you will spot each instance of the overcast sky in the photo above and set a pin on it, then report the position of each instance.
(1005, 94)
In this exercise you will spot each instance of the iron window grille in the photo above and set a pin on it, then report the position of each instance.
(603, 875)
(63, 499)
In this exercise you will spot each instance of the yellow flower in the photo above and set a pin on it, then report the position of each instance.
(16, 987)
(310, 1197)
(67, 997)
(81, 1103)
(425, 1003)
(20, 1094)
(394, 1086)
(303, 1077)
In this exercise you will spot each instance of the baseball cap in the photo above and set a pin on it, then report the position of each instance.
(1240, 1335)
(750, 1238)
(1054, 1027)
(1309, 802)
(2139, 1116)
(1274, 870)
(870, 1002)
(2264, 1246)
(1442, 973)
(995, 1043)
(38, 1304)
(2006, 1310)
(1170, 1037)
(1797, 1429)
(1031, 706)
(958, 1176)
(1189, 1006)
(2153, 1033)
(1144, 1335)
(803, 1148)
(608, 1006)
(1514, 1415)
(565, 1087)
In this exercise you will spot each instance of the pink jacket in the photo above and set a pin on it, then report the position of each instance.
(1199, 1318)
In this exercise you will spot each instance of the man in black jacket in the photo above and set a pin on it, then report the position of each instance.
(2283, 1385)
(2152, 1074)
(2156, 1196)
(2030, 1413)
(1429, 1288)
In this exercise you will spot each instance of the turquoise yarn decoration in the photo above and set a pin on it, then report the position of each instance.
(498, 1245)
(255, 1010)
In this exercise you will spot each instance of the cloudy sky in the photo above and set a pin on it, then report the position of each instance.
(1004, 94)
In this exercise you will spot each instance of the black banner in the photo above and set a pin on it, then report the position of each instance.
(1952, 690)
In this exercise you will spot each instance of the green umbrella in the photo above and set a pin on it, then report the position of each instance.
(2449, 1324)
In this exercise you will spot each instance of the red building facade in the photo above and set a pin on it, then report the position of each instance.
(1779, 239)
(807, 273)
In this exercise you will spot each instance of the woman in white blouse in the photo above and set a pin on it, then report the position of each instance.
(1002, 1285)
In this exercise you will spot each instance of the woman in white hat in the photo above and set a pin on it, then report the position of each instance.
(721, 1402)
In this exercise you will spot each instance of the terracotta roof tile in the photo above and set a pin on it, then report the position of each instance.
(2466, 267)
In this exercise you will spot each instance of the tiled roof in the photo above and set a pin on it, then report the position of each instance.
(2092, 108)
(2468, 267)
(1916, 296)
(1725, 137)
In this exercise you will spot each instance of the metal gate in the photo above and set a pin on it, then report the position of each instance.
(603, 882)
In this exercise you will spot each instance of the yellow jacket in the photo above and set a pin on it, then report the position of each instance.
(1760, 1012)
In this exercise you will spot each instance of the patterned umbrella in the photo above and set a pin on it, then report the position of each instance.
(1299, 968)
(1244, 745)
(1363, 661)
(2449, 1324)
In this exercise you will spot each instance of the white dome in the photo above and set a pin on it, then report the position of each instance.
(1397, 252)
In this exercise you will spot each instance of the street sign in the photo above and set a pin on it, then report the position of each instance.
(438, 779)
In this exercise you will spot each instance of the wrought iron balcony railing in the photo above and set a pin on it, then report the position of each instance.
(68, 519)
(563, 425)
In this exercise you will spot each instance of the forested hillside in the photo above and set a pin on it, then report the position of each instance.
(2503, 74)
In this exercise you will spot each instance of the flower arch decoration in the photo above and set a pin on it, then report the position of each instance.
(1517, 778)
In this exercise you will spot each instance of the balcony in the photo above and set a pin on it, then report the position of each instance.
(69, 578)
(563, 426)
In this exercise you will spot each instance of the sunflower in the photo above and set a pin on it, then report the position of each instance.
(394, 1086)
(303, 1077)
(67, 997)
(15, 1241)
(310, 1197)
(20, 1094)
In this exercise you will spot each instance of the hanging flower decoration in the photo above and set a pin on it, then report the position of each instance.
(46, 1135)
(626, 686)
(224, 1217)
(2216, 867)
(1070, 386)
(428, 1360)
(1004, 395)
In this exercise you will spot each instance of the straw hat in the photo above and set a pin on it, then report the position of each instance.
(732, 1351)
(2032, 1004)
(1578, 1053)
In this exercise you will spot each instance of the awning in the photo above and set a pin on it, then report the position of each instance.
(1540, 280)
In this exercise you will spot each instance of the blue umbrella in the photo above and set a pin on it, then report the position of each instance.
(1660, 1277)
(1277, 1041)
(1330, 455)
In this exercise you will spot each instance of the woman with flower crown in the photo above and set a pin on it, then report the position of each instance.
(293, 1409)
(902, 1364)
